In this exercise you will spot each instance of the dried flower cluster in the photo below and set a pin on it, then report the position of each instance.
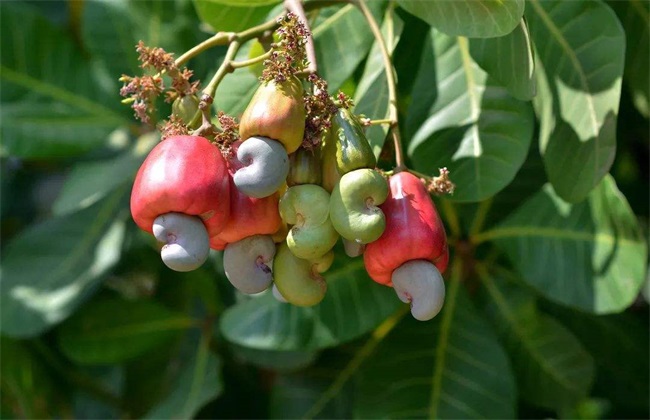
(175, 126)
(319, 108)
(229, 132)
(441, 184)
(288, 55)
(142, 91)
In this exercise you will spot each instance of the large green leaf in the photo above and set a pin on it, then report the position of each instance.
(553, 369)
(50, 268)
(198, 382)
(114, 330)
(353, 305)
(579, 85)
(635, 17)
(509, 59)
(619, 344)
(52, 101)
(450, 367)
(590, 255)
(232, 15)
(472, 18)
(474, 127)
(89, 182)
(371, 96)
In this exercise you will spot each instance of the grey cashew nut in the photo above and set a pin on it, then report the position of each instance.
(248, 263)
(186, 240)
(419, 283)
(266, 165)
(277, 295)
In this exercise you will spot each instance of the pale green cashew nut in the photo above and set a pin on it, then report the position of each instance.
(299, 281)
(306, 207)
(277, 295)
(353, 248)
(248, 263)
(353, 206)
(266, 165)
(419, 283)
(186, 241)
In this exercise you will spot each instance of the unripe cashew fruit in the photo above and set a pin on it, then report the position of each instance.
(187, 109)
(352, 148)
(353, 248)
(248, 215)
(277, 295)
(276, 111)
(305, 167)
(353, 205)
(182, 174)
(306, 207)
(298, 280)
(186, 241)
(248, 263)
(414, 230)
(419, 283)
(331, 175)
(265, 169)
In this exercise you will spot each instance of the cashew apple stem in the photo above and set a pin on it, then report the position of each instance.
(251, 61)
(390, 78)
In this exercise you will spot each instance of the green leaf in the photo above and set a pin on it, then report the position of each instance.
(635, 17)
(233, 15)
(199, 382)
(50, 268)
(594, 250)
(553, 369)
(234, 94)
(579, 84)
(619, 344)
(281, 361)
(353, 305)
(89, 406)
(371, 96)
(450, 367)
(509, 59)
(475, 18)
(89, 182)
(52, 107)
(114, 330)
(474, 127)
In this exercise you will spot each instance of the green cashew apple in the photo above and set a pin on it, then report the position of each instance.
(420, 283)
(247, 263)
(297, 280)
(330, 174)
(305, 167)
(354, 205)
(187, 109)
(306, 207)
(186, 241)
(352, 148)
(265, 169)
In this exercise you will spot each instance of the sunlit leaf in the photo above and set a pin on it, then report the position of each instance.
(579, 84)
(473, 126)
(472, 18)
(594, 249)
(233, 15)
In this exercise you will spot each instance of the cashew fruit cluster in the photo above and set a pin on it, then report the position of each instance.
(276, 209)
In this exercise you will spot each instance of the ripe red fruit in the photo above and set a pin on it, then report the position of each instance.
(414, 230)
(182, 174)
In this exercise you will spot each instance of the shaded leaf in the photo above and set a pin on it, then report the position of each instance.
(50, 268)
(595, 248)
(89, 182)
(111, 331)
(233, 15)
(579, 84)
(371, 95)
(353, 305)
(508, 59)
(635, 17)
(450, 367)
(474, 127)
(282, 361)
(51, 107)
(472, 18)
(553, 369)
(87, 406)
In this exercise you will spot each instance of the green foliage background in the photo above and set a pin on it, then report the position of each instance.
(538, 108)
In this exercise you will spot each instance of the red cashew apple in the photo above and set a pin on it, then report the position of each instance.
(248, 215)
(413, 230)
(185, 176)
